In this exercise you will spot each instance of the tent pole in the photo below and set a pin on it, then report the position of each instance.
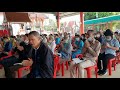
(81, 23)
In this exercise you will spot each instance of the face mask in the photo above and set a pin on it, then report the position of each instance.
(50, 41)
(108, 39)
(77, 39)
(26, 41)
(89, 39)
(98, 35)
(66, 41)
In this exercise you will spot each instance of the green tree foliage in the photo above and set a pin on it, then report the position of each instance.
(52, 25)
(92, 15)
(89, 15)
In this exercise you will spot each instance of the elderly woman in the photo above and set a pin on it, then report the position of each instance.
(52, 44)
(65, 49)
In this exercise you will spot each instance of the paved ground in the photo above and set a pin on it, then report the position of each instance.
(115, 74)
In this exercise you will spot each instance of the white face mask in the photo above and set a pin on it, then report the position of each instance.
(77, 39)
(66, 41)
(108, 38)
(26, 41)
(50, 41)
(89, 39)
(98, 35)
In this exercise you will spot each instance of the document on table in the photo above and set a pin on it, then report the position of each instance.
(77, 60)
(18, 64)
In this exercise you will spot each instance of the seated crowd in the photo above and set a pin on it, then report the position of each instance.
(37, 51)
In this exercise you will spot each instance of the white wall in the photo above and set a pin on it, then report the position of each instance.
(16, 28)
(1, 18)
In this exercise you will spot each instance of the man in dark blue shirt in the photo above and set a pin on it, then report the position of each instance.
(41, 60)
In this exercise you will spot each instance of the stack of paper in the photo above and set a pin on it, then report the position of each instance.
(77, 60)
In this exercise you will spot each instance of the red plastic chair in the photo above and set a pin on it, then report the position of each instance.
(21, 69)
(58, 66)
(56, 61)
(110, 63)
(79, 56)
(62, 67)
(10, 53)
(88, 69)
(117, 58)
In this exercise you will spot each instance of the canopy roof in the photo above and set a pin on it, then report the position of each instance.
(103, 20)
(17, 17)
(63, 14)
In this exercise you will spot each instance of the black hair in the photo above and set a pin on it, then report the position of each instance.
(56, 35)
(35, 33)
(26, 35)
(11, 36)
(116, 33)
(108, 32)
(5, 37)
(77, 35)
(91, 31)
(83, 35)
(51, 34)
(45, 35)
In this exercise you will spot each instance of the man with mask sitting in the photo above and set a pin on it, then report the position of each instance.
(90, 54)
(108, 51)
